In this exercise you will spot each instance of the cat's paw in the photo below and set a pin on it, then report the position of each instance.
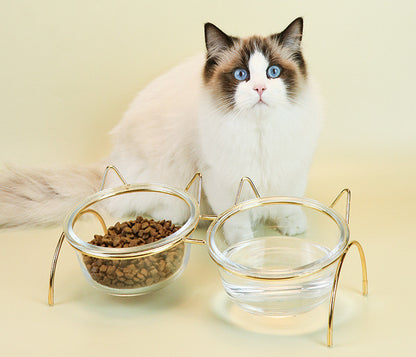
(236, 231)
(293, 224)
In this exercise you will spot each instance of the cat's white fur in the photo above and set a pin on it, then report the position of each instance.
(174, 128)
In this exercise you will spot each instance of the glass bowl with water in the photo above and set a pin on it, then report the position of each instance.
(283, 264)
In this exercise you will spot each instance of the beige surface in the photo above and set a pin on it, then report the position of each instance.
(68, 72)
(191, 317)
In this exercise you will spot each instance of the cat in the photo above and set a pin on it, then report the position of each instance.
(246, 107)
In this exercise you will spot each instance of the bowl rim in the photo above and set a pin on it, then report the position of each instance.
(305, 270)
(132, 252)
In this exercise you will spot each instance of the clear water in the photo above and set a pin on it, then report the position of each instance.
(277, 255)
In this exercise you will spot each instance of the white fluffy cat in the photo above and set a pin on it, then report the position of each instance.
(245, 108)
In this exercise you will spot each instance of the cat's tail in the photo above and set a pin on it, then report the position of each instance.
(43, 197)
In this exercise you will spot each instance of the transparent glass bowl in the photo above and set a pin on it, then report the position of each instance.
(133, 270)
(284, 264)
(135, 276)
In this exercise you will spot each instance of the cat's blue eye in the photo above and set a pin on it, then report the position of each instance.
(240, 74)
(273, 71)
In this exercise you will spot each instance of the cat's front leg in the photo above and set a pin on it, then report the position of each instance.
(293, 223)
(290, 219)
(238, 228)
(221, 197)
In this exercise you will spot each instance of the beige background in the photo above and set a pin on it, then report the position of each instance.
(68, 71)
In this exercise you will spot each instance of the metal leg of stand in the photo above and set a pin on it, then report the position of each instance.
(335, 286)
(53, 269)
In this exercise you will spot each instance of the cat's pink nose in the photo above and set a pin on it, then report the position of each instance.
(259, 88)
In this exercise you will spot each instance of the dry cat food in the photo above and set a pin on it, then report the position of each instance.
(137, 272)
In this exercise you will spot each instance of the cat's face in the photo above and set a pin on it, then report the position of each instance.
(255, 74)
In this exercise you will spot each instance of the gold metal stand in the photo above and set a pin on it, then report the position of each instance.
(190, 239)
(58, 249)
(335, 286)
(51, 290)
(240, 188)
(340, 262)
(53, 269)
(108, 168)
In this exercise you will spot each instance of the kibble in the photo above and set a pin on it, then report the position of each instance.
(137, 272)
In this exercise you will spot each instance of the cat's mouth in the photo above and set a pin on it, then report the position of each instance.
(260, 103)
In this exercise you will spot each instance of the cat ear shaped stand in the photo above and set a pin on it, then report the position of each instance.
(291, 288)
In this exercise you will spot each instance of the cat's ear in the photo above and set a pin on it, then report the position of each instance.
(290, 37)
(216, 41)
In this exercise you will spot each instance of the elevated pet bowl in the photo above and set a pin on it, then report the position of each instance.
(265, 268)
